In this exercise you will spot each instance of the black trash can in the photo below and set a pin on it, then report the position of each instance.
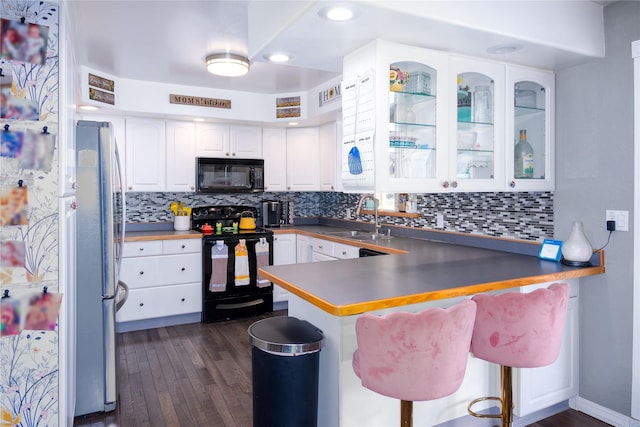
(285, 361)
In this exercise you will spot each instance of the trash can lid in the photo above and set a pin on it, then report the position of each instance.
(285, 336)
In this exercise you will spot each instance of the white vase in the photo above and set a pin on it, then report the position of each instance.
(577, 248)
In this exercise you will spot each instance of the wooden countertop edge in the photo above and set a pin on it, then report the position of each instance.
(362, 307)
(342, 240)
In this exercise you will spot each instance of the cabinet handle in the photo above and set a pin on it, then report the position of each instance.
(454, 184)
(74, 185)
(233, 154)
(183, 299)
(512, 184)
(344, 252)
(183, 246)
(141, 249)
(445, 184)
(183, 269)
(130, 188)
(141, 273)
(192, 188)
(141, 304)
(226, 154)
(320, 246)
(73, 205)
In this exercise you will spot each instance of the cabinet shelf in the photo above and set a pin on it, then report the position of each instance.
(528, 111)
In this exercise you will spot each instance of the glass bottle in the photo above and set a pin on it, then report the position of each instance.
(523, 157)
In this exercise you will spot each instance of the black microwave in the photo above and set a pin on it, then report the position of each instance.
(221, 175)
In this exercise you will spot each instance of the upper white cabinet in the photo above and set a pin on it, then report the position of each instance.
(476, 149)
(274, 144)
(448, 123)
(220, 140)
(328, 140)
(529, 106)
(146, 155)
(181, 150)
(303, 173)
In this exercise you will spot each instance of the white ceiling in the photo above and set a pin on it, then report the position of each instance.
(167, 41)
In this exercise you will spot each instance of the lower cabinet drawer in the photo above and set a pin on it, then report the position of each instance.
(143, 272)
(161, 302)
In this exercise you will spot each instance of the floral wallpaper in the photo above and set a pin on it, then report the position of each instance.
(29, 86)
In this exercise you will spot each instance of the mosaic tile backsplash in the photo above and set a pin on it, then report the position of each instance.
(527, 216)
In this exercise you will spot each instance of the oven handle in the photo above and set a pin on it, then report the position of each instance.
(240, 305)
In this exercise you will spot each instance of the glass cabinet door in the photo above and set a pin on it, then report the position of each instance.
(475, 125)
(476, 154)
(412, 121)
(530, 154)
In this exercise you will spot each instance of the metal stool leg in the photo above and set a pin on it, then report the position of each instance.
(406, 413)
(506, 399)
(507, 396)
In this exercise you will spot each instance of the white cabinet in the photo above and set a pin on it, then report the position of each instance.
(146, 155)
(450, 125)
(540, 388)
(164, 279)
(274, 145)
(303, 151)
(530, 100)
(304, 249)
(284, 252)
(326, 250)
(181, 151)
(220, 140)
(328, 141)
(476, 151)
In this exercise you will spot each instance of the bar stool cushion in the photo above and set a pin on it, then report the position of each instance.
(414, 356)
(521, 330)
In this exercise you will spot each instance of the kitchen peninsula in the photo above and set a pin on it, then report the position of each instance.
(428, 274)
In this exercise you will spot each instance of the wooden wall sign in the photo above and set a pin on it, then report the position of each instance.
(199, 101)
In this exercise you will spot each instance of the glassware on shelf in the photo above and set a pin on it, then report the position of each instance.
(482, 106)
(464, 102)
(525, 98)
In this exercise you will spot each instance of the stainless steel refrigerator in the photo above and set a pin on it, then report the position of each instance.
(100, 236)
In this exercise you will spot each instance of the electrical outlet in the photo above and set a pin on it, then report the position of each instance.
(620, 217)
(439, 220)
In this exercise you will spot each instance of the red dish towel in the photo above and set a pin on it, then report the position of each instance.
(262, 260)
(242, 264)
(219, 259)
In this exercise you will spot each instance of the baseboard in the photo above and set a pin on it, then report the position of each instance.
(603, 414)
(158, 322)
(469, 421)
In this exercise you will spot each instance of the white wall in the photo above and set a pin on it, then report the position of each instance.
(594, 172)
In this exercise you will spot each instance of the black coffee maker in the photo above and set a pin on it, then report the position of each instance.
(271, 213)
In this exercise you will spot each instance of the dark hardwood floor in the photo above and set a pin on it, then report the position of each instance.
(200, 375)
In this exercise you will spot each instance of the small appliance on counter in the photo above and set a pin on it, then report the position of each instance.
(271, 213)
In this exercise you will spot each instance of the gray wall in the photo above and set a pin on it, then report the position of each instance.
(594, 172)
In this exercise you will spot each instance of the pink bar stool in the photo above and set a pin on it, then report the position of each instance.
(414, 356)
(518, 331)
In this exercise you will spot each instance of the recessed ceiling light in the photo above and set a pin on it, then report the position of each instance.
(293, 123)
(337, 13)
(278, 57)
(503, 49)
(88, 107)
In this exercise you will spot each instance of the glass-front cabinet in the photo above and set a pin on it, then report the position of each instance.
(530, 147)
(448, 123)
(476, 150)
(412, 139)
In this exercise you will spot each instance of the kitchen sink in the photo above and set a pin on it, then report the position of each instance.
(361, 236)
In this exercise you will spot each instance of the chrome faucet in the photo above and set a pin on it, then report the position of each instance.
(376, 204)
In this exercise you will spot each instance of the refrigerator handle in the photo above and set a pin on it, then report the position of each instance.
(125, 295)
(124, 206)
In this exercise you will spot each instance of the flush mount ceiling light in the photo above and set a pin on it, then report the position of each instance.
(337, 13)
(227, 64)
(503, 49)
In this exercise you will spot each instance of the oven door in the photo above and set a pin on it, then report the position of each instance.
(226, 294)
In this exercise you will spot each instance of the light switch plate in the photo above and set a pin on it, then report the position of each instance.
(620, 217)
